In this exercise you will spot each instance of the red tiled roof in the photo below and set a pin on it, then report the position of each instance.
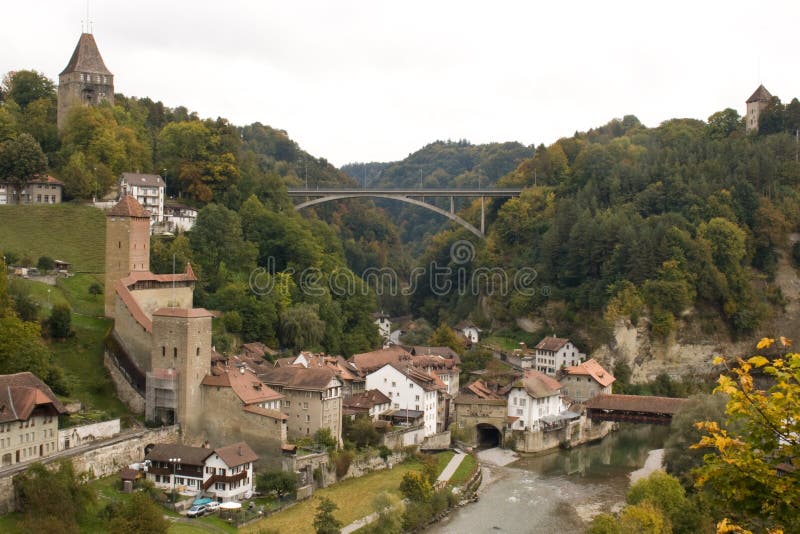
(236, 454)
(551, 344)
(538, 385)
(246, 385)
(367, 399)
(128, 207)
(47, 179)
(147, 276)
(291, 377)
(591, 368)
(22, 393)
(132, 306)
(481, 390)
(371, 361)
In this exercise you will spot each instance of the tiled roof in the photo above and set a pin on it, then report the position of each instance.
(297, 377)
(162, 452)
(445, 352)
(86, 57)
(481, 390)
(47, 179)
(132, 306)
(257, 348)
(538, 385)
(761, 95)
(372, 361)
(147, 276)
(636, 403)
(236, 454)
(128, 207)
(551, 343)
(367, 399)
(591, 368)
(148, 180)
(247, 386)
(21, 393)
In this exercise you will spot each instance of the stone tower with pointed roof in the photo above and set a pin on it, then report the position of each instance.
(755, 105)
(85, 81)
(127, 245)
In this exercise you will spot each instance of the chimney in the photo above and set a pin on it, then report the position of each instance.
(240, 450)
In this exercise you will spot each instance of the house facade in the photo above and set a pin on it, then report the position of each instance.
(533, 399)
(40, 190)
(28, 419)
(757, 102)
(383, 323)
(148, 189)
(587, 380)
(371, 403)
(224, 474)
(312, 398)
(470, 331)
(408, 389)
(179, 218)
(553, 353)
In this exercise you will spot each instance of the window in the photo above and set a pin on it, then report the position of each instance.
(416, 397)
(308, 418)
(219, 486)
(522, 402)
(394, 384)
(174, 352)
(163, 350)
(198, 351)
(38, 198)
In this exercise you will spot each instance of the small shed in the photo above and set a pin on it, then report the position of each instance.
(61, 265)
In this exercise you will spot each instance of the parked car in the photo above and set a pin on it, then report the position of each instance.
(212, 507)
(197, 511)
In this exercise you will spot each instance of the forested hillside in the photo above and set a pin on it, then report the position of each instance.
(624, 220)
(458, 164)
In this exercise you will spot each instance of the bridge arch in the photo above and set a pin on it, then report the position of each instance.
(488, 436)
(409, 200)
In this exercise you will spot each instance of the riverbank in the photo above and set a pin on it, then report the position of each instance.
(559, 491)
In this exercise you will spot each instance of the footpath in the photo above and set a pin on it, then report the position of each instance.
(444, 477)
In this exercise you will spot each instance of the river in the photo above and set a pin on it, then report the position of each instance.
(560, 492)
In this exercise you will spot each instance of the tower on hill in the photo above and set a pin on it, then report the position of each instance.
(127, 245)
(755, 105)
(85, 81)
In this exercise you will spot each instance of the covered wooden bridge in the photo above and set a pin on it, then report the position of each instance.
(633, 408)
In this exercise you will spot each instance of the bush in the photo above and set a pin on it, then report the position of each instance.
(342, 461)
(45, 264)
(416, 487)
(384, 452)
(281, 482)
(95, 289)
(59, 325)
(232, 321)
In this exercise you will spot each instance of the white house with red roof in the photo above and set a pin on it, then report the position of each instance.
(409, 389)
(533, 399)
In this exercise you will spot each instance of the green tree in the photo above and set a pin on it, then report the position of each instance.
(415, 486)
(643, 518)
(324, 521)
(300, 327)
(46, 497)
(21, 159)
(59, 324)
(390, 515)
(444, 336)
(752, 475)
(360, 432)
(139, 515)
(45, 264)
(723, 123)
(26, 86)
(280, 482)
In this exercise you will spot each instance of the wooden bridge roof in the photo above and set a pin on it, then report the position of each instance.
(635, 403)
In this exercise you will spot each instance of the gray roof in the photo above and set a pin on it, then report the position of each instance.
(162, 452)
(86, 57)
(149, 180)
(761, 95)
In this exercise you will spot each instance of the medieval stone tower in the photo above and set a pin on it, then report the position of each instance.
(85, 81)
(180, 359)
(127, 245)
(755, 105)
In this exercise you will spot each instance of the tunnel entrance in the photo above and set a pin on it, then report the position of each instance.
(487, 436)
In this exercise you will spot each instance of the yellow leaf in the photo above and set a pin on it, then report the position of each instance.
(758, 361)
(786, 342)
(765, 342)
(718, 360)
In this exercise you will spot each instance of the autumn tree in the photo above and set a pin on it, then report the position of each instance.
(753, 474)
(21, 159)
(139, 515)
(444, 336)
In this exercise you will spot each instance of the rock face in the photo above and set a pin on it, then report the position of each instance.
(692, 348)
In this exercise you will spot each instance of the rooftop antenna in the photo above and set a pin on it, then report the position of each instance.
(88, 22)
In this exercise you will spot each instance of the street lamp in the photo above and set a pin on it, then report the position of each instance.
(174, 462)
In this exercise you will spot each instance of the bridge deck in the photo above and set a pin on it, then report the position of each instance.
(635, 403)
(294, 192)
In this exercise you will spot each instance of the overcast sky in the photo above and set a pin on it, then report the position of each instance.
(376, 80)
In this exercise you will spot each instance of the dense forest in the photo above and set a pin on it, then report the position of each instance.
(689, 218)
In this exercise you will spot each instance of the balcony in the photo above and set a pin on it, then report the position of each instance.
(224, 479)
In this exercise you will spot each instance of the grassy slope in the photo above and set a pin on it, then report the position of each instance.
(65, 232)
(81, 356)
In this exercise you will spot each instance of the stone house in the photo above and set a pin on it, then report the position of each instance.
(224, 474)
(85, 81)
(586, 380)
(242, 407)
(148, 190)
(480, 413)
(312, 398)
(178, 217)
(533, 401)
(383, 323)
(40, 190)
(28, 418)
(553, 353)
